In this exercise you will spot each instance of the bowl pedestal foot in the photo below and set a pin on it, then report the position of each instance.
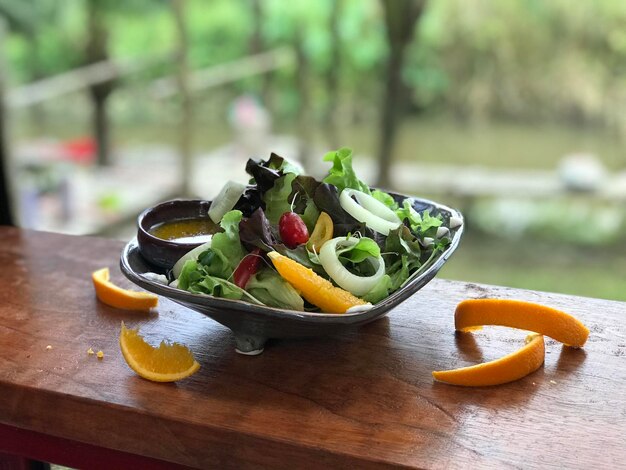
(249, 345)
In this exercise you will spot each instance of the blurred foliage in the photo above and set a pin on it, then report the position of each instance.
(529, 59)
(477, 59)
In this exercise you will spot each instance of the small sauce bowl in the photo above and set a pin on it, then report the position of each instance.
(158, 251)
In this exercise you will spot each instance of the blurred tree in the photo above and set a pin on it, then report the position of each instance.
(96, 50)
(27, 19)
(333, 73)
(401, 17)
(44, 12)
(257, 45)
(6, 217)
(17, 15)
(182, 75)
(304, 121)
(256, 39)
(5, 204)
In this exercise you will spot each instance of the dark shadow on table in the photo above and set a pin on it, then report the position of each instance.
(571, 359)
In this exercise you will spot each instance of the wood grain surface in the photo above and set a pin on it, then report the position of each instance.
(365, 398)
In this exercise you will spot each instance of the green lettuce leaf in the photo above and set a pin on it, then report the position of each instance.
(365, 248)
(399, 272)
(310, 215)
(276, 162)
(264, 174)
(301, 199)
(385, 198)
(379, 291)
(341, 174)
(271, 289)
(226, 244)
(429, 225)
(277, 199)
(422, 224)
(215, 263)
(194, 278)
(403, 254)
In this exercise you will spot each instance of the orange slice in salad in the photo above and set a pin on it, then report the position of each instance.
(115, 296)
(167, 363)
(312, 287)
(523, 315)
(511, 367)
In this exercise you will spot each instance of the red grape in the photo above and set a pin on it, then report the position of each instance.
(292, 230)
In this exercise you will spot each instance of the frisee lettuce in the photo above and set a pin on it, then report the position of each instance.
(341, 174)
(385, 198)
(422, 224)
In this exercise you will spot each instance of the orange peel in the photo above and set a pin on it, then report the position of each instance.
(312, 287)
(520, 314)
(115, 296)
(167, 363)
(511, 367)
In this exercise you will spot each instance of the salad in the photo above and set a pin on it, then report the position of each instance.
(290, 241)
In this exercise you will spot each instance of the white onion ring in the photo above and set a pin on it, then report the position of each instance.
(369, 210)
(358, 285)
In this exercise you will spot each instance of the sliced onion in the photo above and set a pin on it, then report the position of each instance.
(442, 232)
(374, 205)
(225, 200)
(160, 278)
(455, 222)
(358, 285)
(369, 210)
(360, 308)
(427, 241)
(193, 254)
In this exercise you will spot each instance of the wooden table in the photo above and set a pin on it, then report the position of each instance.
(363, 399)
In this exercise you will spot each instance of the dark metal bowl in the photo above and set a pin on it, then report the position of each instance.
(254, 324)
(165, 253)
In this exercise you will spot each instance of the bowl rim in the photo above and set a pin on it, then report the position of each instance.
(163, 242)
(412, 285)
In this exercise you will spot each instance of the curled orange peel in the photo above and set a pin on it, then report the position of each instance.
(115, 296)
(511, 367)
(547, 321)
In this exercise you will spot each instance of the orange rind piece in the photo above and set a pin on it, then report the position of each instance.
(167, 363)
(511, 367)
(115, 296)
(314, 288)
(528, 316)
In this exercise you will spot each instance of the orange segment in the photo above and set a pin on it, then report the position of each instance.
(167, 363)
(523, 315)
(312, 287)
(115, 296)
(511, 367)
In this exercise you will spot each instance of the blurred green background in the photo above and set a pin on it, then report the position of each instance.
(509, 86)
